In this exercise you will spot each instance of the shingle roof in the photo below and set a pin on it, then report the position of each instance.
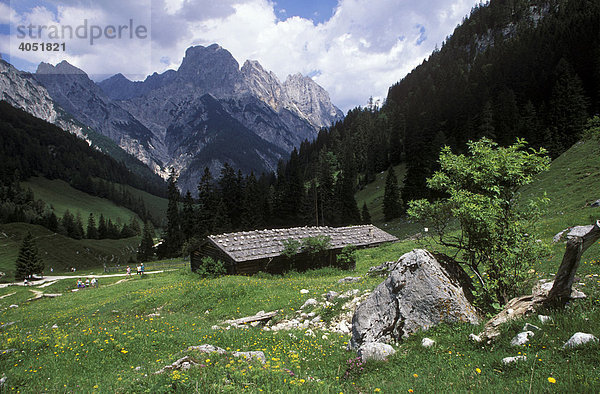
(258, 244)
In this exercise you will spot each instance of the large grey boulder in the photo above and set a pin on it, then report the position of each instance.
(420, 292)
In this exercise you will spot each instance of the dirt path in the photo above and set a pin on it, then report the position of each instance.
(41, 282)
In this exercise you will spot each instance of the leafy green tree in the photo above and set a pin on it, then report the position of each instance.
(392, 205)
(495, 230)
(28, 261)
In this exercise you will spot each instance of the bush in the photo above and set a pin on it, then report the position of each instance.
(346, 259)
(210, 268)
(495, 238)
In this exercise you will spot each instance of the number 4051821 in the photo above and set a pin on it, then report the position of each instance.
(42, 46)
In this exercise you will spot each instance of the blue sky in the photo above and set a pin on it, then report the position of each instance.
(355, 49)
(318, 11)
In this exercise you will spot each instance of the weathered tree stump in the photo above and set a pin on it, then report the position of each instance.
(581, 238)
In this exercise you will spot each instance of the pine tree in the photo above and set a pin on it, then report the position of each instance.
(92, 230)
(206, 203)
(146, 250)
(252, 217)
(391, 196)
(366, 216)
(189, 219)
(102, 229)
(28, 261)
(173, 239)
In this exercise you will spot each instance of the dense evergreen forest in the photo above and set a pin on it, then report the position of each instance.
(32, 147)
(513, 68)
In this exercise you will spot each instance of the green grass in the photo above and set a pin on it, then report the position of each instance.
(61, 196)
(372, 193)
(60, 252)
(111, 340)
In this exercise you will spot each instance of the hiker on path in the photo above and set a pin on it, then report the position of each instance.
(139, 269)
(128, 271)
(142, 269)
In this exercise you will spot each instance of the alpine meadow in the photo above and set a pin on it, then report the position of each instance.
(175, 218)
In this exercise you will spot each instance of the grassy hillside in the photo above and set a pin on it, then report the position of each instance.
(117, 336)
(60, 252)
(156, 205)
(572, 183)
(61, 196)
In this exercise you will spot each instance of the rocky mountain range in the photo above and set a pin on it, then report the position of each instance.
(206, 113)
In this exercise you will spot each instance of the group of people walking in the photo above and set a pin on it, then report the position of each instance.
(88, 283)
(140, 269)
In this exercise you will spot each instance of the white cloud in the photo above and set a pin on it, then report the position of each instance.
(365, 47)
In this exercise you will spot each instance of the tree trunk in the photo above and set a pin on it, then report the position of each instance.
(563, 281)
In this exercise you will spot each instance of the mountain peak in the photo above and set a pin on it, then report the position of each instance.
(63, 67)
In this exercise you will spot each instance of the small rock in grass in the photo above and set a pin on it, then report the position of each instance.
(309, 302)
(54, 327)
(256, 355)
(14, 306)
(544, 319)
(475, 338)
(510, 360)
(427, 342)
(350, 279)
(138, 368)
(206, 348)
(578, 339)
(530, 327)
(331, 295)
(375, 351)
(521, 338)
(215, 327)
(303, 291)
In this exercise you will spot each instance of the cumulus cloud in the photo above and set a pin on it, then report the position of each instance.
(359, 52)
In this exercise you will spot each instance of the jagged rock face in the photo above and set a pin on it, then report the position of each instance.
(420, 292)
(206, 113)
(22, 91)
(85, 101)
(311, 100)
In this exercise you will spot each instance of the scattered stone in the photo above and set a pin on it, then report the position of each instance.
(530, 327)
(260, 316)
(349, 293)
(375, 351)
(183, 363)
(303, 291)
(544, 319)
(156, 314)
(309, 333)
(521, 338)
(331, 295)
(256, 355)
(215, 327)
(475, 338)
(14, 306)
(578, 339)
(350, 279)
(510, 360)
(55, 326)
(427, 342)
(206, 348)
(577, 294)
(419, 293)
(3, 380)
(10, 323)
(309, 302)
(137, 368)
(595, 204)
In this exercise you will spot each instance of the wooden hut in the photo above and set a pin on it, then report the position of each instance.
(248, 252)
